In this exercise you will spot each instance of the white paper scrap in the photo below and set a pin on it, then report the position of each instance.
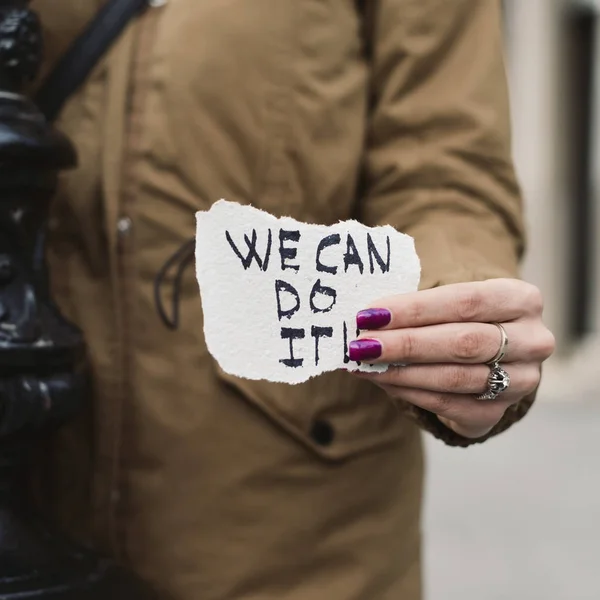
(280, 297)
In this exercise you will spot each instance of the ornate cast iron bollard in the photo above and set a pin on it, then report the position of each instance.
(42, 356)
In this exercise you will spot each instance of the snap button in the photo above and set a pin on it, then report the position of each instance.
(322, 432)
(124, 225)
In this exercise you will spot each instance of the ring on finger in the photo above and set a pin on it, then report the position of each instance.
(498, 382)
(503, 346)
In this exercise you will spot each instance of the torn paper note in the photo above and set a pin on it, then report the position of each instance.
(280, 297)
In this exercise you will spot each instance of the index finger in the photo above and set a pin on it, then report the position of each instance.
(494, 300)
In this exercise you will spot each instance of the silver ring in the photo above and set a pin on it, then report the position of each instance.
(503, 346)
(498, 382)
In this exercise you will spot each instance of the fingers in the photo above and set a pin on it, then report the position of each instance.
(450, 392)
(473, 414)
(466, 343)
(486, 301)
(457, 379)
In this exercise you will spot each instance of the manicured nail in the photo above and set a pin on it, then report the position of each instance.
(373, 318)
(363, 350)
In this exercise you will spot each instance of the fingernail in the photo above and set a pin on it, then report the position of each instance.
(373, 318)
(362, 350)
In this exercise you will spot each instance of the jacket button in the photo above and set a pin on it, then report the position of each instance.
(124, 225)
(322, 432)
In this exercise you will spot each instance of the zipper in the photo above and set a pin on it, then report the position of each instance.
(121, 225)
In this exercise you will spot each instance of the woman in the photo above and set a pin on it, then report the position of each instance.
(392, 111)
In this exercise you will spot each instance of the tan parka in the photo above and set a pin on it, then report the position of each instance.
(211, 487)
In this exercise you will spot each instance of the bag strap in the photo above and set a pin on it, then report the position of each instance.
(87, 49)
(85, 52)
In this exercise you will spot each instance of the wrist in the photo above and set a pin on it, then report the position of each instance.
(467, 432)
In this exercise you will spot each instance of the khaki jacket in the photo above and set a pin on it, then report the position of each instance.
(215, 488)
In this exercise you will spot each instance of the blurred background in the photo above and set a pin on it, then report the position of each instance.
(519, 517)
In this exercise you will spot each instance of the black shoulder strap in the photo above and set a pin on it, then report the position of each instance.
(74, 67)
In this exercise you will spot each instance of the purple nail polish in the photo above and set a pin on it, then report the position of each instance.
(363, 350)
(373, 318)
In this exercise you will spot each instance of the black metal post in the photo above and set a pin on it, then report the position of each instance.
(580, 23)
(43, 376)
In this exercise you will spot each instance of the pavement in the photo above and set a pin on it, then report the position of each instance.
(518, 518)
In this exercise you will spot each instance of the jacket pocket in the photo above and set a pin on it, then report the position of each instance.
(335, 416)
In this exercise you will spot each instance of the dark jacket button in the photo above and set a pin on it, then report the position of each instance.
(322, 432)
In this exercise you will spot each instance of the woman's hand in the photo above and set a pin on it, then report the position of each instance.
(445, 336)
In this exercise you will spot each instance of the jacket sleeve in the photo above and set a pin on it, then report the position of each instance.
(438, 163)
